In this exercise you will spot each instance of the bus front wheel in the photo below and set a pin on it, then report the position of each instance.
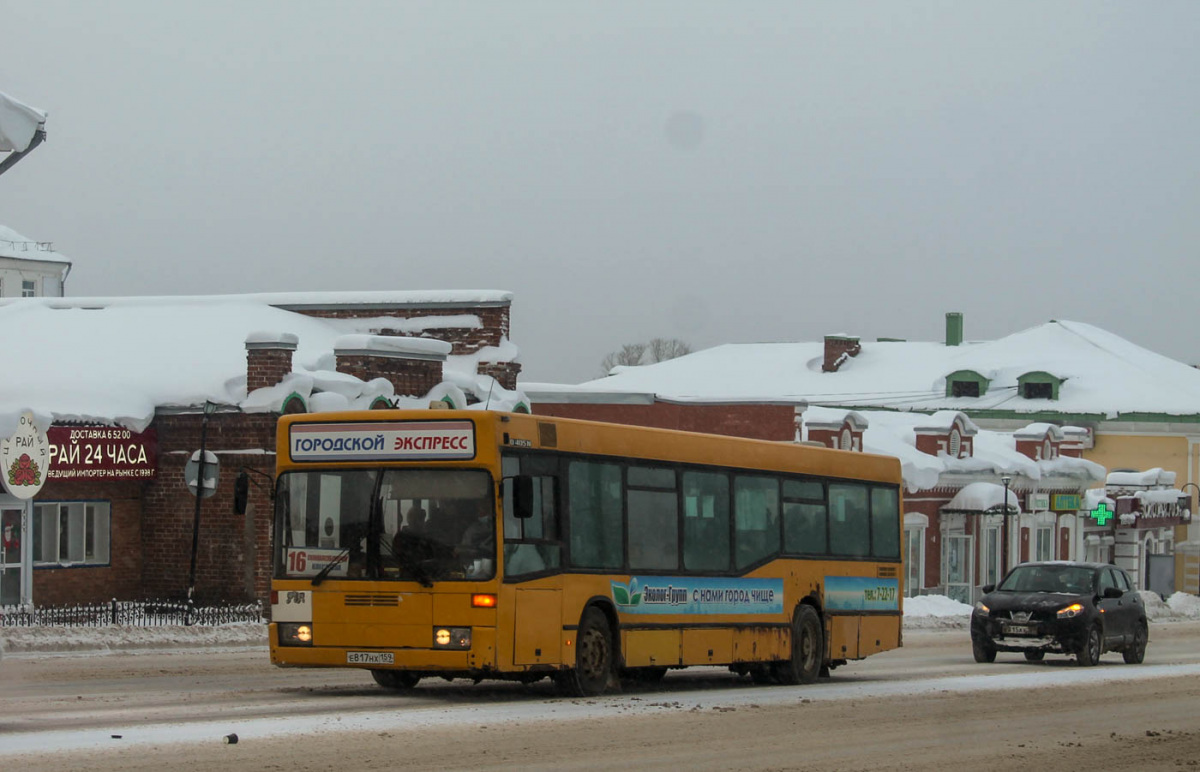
(594, 657)
(808, 649)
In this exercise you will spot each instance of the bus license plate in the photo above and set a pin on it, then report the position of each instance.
(1018, 630)
(370, 658)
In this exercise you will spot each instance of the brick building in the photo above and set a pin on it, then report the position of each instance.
(114, 517)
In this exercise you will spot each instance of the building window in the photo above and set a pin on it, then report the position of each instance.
(65, 533)
(955, 443)
(28, 288)
(964, 389)
(1045, 543)
(914, 560)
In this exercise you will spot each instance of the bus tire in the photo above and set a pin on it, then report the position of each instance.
(594, 657)
(398, 680)
(808, 649)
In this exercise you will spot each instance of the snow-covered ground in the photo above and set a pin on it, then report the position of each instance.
(924, 612)
(934, 611)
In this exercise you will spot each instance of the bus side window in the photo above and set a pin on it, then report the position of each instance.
(849, 520)
(594, 511)
(705, 521)
(756, 518)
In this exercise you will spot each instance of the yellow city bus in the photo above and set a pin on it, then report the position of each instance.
(476, 544)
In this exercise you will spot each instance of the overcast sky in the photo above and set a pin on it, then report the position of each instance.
(715, 172)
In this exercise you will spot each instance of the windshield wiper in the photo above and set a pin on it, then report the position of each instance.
(324, 572)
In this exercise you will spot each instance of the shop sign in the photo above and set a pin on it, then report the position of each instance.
(1039, 502)
(1065, 502)
(25, 459)
(102, 452)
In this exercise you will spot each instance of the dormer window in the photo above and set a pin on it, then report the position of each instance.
(1047, 450)
(955, 443)
(1039, 385)
(966, 383)
(847, 440)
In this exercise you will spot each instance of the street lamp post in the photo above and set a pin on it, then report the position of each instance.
(209, 409)
(1006, 479)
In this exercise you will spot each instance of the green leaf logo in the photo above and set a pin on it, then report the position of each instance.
(621, 594)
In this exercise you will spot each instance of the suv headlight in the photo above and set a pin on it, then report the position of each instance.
(1074, 610)
(981, 609)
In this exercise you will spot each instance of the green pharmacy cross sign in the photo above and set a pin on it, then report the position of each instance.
(1101, 514)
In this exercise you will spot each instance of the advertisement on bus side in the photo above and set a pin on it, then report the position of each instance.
(698, 595)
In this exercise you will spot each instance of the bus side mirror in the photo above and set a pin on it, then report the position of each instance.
(241, 492)
(522, 490)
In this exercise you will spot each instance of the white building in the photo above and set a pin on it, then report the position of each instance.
(30, 269)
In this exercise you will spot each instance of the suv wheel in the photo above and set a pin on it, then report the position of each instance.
(984, 651)
(1136, 651)
(1092, 648)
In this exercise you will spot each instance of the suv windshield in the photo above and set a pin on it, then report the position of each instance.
(405, 524)
(1070, 580)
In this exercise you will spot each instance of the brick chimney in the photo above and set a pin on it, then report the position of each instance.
(837, 348)
(505, 373)
(412, 365)
(268, 358)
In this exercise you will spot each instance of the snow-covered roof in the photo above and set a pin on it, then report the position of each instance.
(116, 360)
(13, 244)
(984, 497)
(1101, 374)
(994, 453)
(1147, 479)
(18, 124)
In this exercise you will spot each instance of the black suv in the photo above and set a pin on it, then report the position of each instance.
(1063, 607)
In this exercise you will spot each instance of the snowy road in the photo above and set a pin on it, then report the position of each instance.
(150, 710)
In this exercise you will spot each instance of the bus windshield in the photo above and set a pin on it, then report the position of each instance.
(425, 525)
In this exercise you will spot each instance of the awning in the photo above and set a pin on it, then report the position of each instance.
(983, 498)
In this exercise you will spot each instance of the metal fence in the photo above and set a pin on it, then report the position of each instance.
(129, 613)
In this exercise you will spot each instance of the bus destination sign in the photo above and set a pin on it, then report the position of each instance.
(383, 441)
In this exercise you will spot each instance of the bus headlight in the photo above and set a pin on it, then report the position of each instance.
(295, 633)
(452, 638)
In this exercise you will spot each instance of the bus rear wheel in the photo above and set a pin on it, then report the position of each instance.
(594, 657)
(808, 650)
(400, 680)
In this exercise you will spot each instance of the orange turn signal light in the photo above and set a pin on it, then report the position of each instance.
(483, 600)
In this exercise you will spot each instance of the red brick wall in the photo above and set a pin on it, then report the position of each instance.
(96, 584)
(494, 324)
(266, 367)
(409, 377)
(505, 373)
(233, 556)
(765, 422)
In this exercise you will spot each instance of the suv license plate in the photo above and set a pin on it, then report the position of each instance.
(370, 658)
(1018, 630)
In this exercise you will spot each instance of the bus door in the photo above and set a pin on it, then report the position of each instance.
(532, 555)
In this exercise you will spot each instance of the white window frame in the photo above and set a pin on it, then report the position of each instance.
(915, 526)
(72, 533)
(29, 288)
